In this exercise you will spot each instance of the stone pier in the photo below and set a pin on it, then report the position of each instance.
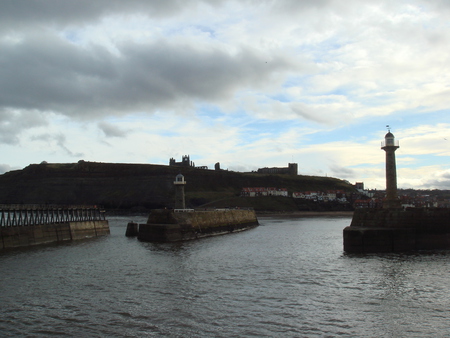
(172, 225)
(27, 225)
(398, 230)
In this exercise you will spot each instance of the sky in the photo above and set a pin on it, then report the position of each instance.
(247, 83)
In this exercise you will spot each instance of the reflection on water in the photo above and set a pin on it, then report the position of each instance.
(288, 277)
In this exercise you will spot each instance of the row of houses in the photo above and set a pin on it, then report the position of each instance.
(260, 191)
(359, 199)
(322, 196)
(404, 201)
(317, 196)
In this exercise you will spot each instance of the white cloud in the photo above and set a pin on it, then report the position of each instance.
(245, 83)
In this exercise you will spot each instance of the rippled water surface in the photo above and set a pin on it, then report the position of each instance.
(287, 278)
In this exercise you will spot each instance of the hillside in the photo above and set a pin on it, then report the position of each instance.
(145, 186)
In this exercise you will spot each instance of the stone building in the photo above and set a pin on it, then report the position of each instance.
(291, 169)
(185, 162)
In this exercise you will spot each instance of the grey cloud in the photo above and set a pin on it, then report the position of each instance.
(60, 140)
(111, 130)
(42, 137)
(13, 122)
(307, 113)
(46, 73)
(342, 172)
(49, 74)
(24, 13)
(436, 184)
(293, 6)
(437, 5)
(4, 168)
(442, 181)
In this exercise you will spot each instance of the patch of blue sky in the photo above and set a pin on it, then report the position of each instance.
(416, 116)
(72, 36)
(260, 129)
(205, 29)
(281, 97)
(356, 133)
(341, 91)
(296, 81)
(209, 111)
(192, 30)
(321, 137)
(419, 160)
(168, 133)
(323, 46)
(405, 119)
(325, 50)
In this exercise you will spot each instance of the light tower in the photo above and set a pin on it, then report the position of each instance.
(179, 192)
(390, 145)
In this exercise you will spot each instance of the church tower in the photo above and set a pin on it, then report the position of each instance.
(390, 145)
(179, 192)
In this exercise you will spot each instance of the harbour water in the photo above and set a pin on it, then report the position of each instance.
(287, 278)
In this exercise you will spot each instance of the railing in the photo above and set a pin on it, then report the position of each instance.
(395, 143)
(29, 215)
(183, 210)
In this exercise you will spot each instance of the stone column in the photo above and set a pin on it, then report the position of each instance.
(179, 192)
(390, 146)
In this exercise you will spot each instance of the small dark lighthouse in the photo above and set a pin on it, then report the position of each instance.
(390, 145)
(179, 192)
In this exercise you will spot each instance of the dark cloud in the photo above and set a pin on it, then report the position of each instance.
(47, 73)
(25, 14)
(42, 72)
(20, 14)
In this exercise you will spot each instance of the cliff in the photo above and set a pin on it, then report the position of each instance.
(147, 186)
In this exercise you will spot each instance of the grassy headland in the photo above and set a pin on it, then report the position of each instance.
(146, 186)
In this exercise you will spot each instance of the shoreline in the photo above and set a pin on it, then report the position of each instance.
(258, 213)
(294, 214)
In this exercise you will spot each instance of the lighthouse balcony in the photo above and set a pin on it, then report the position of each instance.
(390, 143)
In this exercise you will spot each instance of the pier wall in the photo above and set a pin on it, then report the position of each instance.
(397, 230)
(27, 225)
(12, 237)
(168, 225)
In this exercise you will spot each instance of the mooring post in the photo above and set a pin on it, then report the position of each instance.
(132, 229)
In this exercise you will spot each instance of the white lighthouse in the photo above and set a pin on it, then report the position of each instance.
(390, 145)
(179, 192)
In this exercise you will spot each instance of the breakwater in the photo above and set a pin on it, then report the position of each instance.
(397, 230)
(178, 225)
(27, 225)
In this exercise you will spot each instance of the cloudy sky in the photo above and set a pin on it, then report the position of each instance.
(246, 83)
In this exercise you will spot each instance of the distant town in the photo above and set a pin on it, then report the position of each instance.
(360, 198)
